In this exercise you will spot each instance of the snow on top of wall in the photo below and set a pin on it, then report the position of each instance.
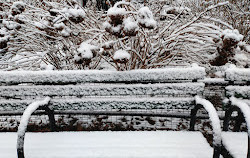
(145, 17)
(25, 119)
(121, 54)
(232, 34)
(237, 74)
(81, 76)
(214, 118)
(245, 109)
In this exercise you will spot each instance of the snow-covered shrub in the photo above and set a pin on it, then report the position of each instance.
(62, 34)
(45, 33)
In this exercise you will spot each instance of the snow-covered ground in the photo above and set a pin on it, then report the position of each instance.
(156, 144)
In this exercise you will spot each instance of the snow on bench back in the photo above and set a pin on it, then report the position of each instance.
(237, 74)
(100, 76)
(238, 91)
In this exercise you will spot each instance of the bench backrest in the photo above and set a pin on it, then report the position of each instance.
(99, 89)
(239, 78)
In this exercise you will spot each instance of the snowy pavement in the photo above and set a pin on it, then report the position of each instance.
(153, 144)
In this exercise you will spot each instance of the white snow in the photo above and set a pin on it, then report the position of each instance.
(74, 12)
(130, 25)
(241, 91)
(232, 34)
(10, 24)
(80, 76)
(66, 32)
(236, 143)
(214, 118)
(114, 11)
(60, 25)
(237, 74)
(153, 144)
(245, 109)
(43, 24)
(145, 17)
(25, 119)
(86, 49)
(121, 54)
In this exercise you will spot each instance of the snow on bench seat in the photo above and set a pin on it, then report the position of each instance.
(156, 144)
(237, 74)
(96, 76)
(105, 103)
(170, 89)
(236, 143)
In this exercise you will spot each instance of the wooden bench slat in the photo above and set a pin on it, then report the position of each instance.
(101, 76)
(170, 89)
(237, 74)
(238, 91)
(105, 103)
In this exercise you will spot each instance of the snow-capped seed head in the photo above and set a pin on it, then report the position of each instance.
(75, 15)
(130, 27)
(17, 8)
(232, 35)
(116, 15)
(145, 18)
(107, 26)
(59, 26)
(231, 38)
(19, 19)
(121, 56)
(108, 45)
(85, 53)
(3, 42)
(66, 32)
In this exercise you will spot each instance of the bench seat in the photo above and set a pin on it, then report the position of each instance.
(236, 143)
(153, 144)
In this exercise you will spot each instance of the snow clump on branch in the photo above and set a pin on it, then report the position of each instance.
(85, 53)
(121, 56)
(146, 18)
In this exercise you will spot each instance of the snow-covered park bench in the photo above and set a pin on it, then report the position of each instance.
(238, 94)
(112, 93)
